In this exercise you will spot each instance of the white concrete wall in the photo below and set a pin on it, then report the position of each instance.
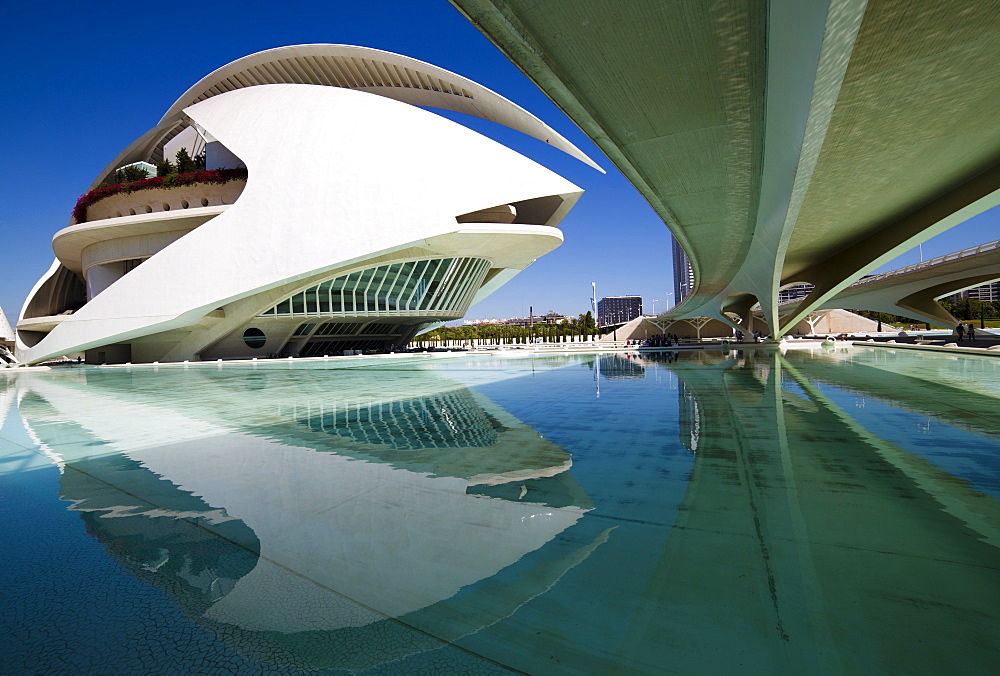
(100, 277)
(165, 199)
(218, 156)
(189, 138)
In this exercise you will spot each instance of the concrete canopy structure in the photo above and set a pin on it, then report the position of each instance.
(360, 220)
(781, 142)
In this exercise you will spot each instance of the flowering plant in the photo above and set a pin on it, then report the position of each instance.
(171, 181)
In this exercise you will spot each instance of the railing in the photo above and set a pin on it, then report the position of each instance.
(947, 258)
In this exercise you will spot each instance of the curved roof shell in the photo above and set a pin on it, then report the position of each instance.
(378, 72)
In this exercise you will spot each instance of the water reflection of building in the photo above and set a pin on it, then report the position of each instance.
(688, 416)
(447, 420)
(614, 366)
(353, 526)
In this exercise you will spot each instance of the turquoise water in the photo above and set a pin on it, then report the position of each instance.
(807, 512)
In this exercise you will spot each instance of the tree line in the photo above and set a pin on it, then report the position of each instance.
(583, 325)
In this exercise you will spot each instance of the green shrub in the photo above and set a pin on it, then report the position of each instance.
(130, 174)
(184, 162)
(165, 168)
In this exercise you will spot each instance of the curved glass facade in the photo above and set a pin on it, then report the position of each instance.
(426, 287)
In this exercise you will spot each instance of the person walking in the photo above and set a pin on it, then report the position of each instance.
(960, 330)
(970, 331)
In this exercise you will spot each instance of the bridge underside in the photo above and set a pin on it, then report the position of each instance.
(914, 293)
(781, 142)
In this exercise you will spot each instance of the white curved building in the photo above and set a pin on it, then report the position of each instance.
(355, 218)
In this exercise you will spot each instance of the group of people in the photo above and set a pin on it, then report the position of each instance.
(966, 330)
(757, 336)
(662, 340)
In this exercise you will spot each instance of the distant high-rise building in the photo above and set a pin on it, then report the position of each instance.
(618, 309)
(797, 292)
(683, 274)
(986, 292)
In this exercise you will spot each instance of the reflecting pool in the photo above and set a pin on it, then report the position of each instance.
(828, 511)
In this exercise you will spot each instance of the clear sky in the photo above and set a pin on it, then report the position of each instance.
(83, 80)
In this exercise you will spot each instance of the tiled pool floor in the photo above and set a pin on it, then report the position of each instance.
(806, 512)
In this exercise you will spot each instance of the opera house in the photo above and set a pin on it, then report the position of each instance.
(333, 213)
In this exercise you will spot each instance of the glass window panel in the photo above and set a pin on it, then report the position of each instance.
(423, 286)
(393, 296)
(382, 277)
(361, 288)
(408, 287)
(311, 301)
(349, 285)
(324, 296)
(420, 282)
(434, 285)
(364, 278)
(443, 284)
(388, 276)
(454, 280)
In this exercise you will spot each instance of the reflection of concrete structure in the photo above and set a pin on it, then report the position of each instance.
(781, 142)
(757, 556)
(353, 229)
(323, 528)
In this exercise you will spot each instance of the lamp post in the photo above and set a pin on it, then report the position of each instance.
(593, 301)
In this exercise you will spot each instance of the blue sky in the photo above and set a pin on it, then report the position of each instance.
(83, 80)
